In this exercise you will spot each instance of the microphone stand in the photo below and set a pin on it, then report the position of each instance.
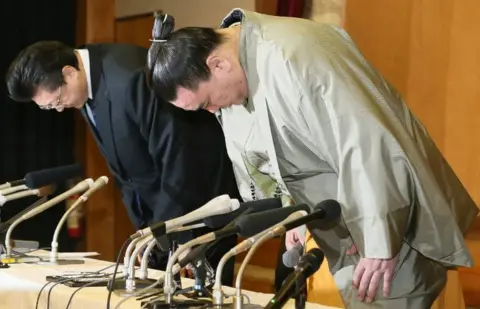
(5, 225)
(203, 272)
(177, 279)
(197, 293)
(3, 250)
(301, 292)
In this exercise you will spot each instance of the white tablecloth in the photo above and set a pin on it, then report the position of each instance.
(20, 284)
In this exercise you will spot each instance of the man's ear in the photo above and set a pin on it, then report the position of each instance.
(68, 71)
(218, 64)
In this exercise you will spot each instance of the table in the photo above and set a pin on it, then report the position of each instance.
(20, 284)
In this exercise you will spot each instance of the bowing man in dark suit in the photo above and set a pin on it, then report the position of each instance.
(167, 162)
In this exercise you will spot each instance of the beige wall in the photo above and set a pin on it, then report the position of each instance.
(326, 11)
(206, 13)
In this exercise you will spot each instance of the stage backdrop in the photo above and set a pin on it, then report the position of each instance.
(33, 139)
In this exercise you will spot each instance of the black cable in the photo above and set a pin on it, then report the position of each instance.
(83, 286)
(62, 281)
(40, 293)
(110, 289)
(51, 289)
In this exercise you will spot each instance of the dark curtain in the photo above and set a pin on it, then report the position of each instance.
(290, 8)
(32, 139)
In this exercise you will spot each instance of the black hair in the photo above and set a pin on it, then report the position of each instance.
(179, 58)
(39, 65)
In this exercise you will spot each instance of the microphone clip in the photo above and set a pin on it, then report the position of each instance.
(204, 280)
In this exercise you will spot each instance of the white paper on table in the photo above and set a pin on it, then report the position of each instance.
(64, 255)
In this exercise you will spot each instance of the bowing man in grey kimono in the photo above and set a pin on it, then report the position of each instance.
(297, 99)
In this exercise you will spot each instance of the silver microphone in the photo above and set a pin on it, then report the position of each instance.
(79, 188)
(217, 292)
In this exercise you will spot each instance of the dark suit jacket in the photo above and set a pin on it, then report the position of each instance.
(176, 161)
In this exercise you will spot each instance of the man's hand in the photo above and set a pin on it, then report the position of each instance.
(368, 274)
(293, 237)
(187, 271)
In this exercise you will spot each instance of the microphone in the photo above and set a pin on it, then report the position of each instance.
(41, 178)
(19, 244)
(98, 184)
(246, 225)
(10, 190)
(291, 257)
(40, 192)
(328, 210)
(220, 205)
(307, 266)
(13, 183)
(219, 221)
(79, 188)
(143, 272)
(52, 175)
(254, 241)
(263, 220)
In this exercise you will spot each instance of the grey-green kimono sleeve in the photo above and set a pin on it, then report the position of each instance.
(341, 109)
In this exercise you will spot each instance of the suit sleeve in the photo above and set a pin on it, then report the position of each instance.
(188, 150)
(339, 109)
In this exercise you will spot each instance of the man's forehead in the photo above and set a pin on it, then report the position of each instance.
(44, 96)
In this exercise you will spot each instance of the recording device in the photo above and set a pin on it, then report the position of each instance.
(79, 188)
(307, 266)
(98, 184)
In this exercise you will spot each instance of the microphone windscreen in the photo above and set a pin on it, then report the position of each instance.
(255, 223)
(331, 208)
(314, 259)
(291, 257)
(220, 221)
(37, 179)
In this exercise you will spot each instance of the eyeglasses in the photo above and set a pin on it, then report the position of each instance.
(55, 103)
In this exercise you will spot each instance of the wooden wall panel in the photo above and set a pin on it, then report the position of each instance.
(426, 49)
(266, 6)
(135, 30)
(107, 224)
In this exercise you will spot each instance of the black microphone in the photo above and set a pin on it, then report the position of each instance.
(41, 178)
(307, 266)
(246, 225)
(327, 210)
(255, 223)
(220, 221)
